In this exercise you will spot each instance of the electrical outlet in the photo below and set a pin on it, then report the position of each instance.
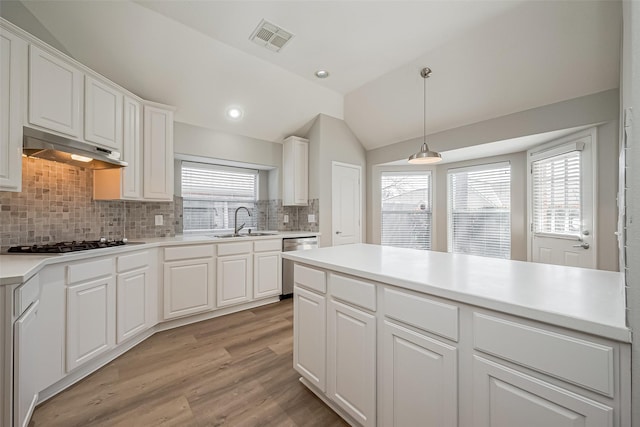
(159, 220)
(311, 218)
(286, 218)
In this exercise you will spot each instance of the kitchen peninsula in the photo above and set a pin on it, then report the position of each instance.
(387, 335)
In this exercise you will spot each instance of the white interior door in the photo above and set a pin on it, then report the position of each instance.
(561, 199)
(345, 204)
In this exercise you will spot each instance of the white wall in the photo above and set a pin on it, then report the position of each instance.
(330, 139)
(631, 98)
(597, 108)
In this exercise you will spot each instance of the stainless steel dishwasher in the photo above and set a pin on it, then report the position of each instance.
(293, 244)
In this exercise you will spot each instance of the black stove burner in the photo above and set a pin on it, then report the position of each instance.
(64, 247)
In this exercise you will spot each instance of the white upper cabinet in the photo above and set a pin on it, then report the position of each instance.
(55, 93)
(158, 153)
(295, 165)
(13, 61)
(124, 183)
(132, 149)
(102, 114)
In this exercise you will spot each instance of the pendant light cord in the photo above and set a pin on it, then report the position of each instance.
(424, 110)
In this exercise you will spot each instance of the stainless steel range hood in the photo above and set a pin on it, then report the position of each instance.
(47, 146)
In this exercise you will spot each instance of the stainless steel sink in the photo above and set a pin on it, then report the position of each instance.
(224, 236)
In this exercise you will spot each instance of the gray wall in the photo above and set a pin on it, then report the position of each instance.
(196, 141)
(17, 14)
(631, 98)
(592, 109)
(330, 139)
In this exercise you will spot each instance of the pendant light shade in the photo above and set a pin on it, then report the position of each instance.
(425, 156)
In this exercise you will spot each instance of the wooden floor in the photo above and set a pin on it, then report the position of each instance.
(234, 370)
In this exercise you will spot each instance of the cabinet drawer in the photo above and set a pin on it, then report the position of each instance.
(581, 362)
(189, 252)
(432, 316)
(235, 248)
(89, 270)
(354, 291)
(309, 278)
(132, 261)
(26, 294)
(267, 245)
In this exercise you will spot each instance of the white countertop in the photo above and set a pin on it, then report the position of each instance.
(19, 268)
(591, 301)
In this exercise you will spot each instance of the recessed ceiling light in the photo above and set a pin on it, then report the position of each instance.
(234, 113)
(322, 74)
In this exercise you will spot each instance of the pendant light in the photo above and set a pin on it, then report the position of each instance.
(425, 156)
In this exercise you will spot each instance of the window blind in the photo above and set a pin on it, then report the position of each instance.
(556, 188)
(212, 194)
(406, 211)
(479, 214)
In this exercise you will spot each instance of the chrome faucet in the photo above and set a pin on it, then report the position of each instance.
(237, 229)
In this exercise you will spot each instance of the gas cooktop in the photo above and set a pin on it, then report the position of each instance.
(64, 247)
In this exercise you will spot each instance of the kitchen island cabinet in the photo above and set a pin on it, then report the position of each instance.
(458, 340)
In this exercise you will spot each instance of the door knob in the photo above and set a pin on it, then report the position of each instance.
(338, 232)
(583, 246)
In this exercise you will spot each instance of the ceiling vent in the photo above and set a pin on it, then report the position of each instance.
(270, 36)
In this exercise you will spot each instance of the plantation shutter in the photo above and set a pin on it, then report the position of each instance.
(212, 193)
(406, 211)
(479, 214)
(557, 195)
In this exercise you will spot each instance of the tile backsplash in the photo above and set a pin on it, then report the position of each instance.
(56, 205)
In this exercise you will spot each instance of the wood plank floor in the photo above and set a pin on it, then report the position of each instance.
(234, 370)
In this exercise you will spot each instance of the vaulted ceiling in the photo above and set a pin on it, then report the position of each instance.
(489, 58)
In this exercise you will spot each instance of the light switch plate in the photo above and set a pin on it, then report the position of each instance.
(286, 218)
(159, 220)
(311, 218)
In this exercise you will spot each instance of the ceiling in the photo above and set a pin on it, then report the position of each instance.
(490, 58)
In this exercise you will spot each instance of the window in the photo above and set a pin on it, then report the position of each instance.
(480, 210)
(406, 209)
(556, 195)
(211, 194)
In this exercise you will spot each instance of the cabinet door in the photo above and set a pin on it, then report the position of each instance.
(55, 93)
(503, 397)
(91, 309)
(132, 293)
(267, 277)
(419, 379)
(295, 165)
(188, 287)
(102, 114)
(309, 336)
(132, 150)
(158, 153)
(13, 60)
(234, 279)
(301, 172)
(25, 368)
(351, 349)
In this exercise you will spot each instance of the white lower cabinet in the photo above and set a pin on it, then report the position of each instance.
(267, 274)
(134, 293)
(234, 278)
(25, 368)
(189, 280)
(188, 287)
(351, 371)
(235, 273)
(504, 397)
(310, 336)
(91, 310)
(418, 379)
